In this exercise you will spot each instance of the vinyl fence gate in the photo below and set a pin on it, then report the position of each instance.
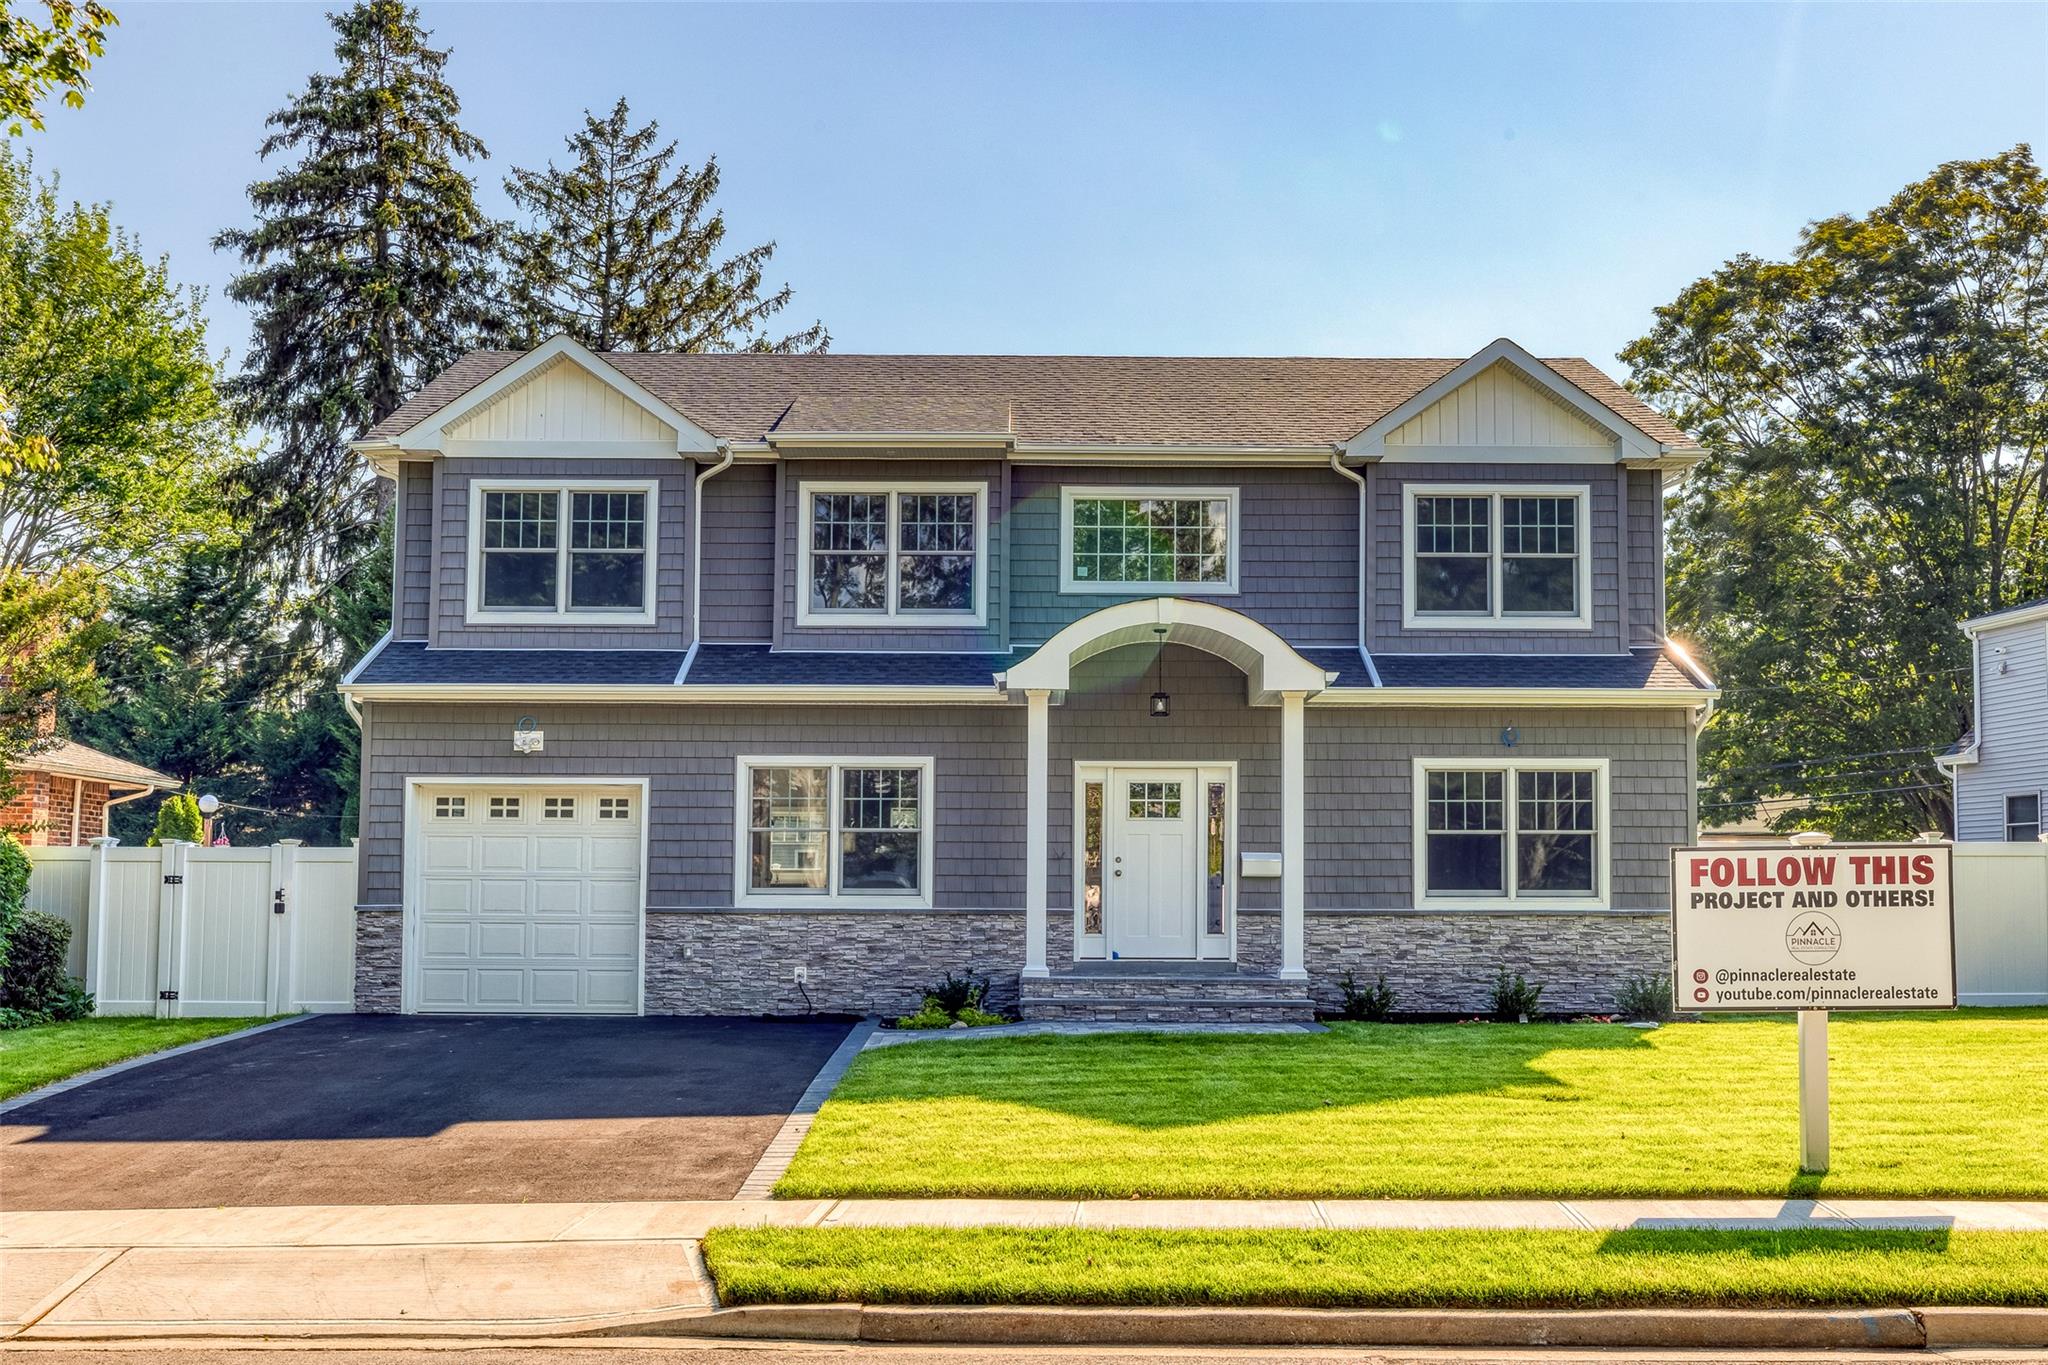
(183, 930)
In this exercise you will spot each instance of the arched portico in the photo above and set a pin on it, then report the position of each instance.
(1275, 674)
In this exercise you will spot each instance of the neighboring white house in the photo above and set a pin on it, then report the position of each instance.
(2000, 768)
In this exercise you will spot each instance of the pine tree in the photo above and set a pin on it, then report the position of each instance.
(623, 254)
(369, 270)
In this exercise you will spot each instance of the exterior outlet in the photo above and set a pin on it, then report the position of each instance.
(801, 974)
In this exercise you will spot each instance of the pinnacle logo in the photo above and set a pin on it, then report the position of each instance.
(1813, 938)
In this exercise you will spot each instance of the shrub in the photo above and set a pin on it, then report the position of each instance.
(929, 1015)
(178, 818)
(1372, 1003)
(1514, 998)
(980, 1018)
(956, 993)
(1645, 997)
(34, 983)
(14, 866)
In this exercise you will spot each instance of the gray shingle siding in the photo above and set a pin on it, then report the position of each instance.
(1298, 541)
(1358, 778)
(1384, 490)
(943, 466)
(739, 554)
(1645, 556)
(415, 549)
(671, 629)
(2012, 743)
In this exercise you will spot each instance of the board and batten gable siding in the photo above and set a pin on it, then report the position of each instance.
(562, 401)
(414, 551)
(856, 467)
(1298, 542)
(1385, 495)
(1361, 808)
(1499, 408)
(2012, 747)
(689, 755)
(671, 628)
(739, 555)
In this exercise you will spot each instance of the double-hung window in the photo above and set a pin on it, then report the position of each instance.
(849, 832)
(1496, 557)
(1488, 831)
(873, 554)
(2023, 817)
(560, 552)
(1136, 540)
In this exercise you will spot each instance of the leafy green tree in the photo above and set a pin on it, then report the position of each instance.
(1875, 410)
(38, 58)
(368, 271)
(178, 818)
(622, 252)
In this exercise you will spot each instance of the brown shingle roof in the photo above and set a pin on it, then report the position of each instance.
(1051, 400)
(70, 759)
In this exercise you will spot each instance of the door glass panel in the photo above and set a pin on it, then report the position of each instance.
(1154, 801)
(1212, 922)
(1091, 873)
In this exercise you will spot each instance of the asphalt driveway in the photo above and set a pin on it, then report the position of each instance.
(364, 1109)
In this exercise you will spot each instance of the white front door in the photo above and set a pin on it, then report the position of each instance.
(1155, 862)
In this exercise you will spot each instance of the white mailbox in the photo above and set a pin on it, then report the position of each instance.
(1258, 865)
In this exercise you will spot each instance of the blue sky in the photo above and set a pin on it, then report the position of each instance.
(1332, 180)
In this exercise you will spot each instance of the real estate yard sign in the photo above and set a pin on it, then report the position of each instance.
(1834, 927)
(1814, 928)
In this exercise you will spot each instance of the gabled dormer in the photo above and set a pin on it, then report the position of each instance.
(1510, 509)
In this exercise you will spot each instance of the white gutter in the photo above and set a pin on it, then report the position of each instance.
(1513, 696)
(697, 559)
(1337, 464)
(669, 693)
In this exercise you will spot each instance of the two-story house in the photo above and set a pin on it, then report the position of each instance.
(1144, 686)
(2000, 767)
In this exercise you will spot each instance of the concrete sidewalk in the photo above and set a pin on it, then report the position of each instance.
(539, 1269)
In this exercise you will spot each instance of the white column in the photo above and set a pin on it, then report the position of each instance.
(1293, 833)
(1037, 755)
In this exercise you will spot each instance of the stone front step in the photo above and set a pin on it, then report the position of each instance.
(1220, 996)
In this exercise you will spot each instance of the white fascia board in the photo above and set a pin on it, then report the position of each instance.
(364, 662)
(940, 439)
(670, 694)
(1040, 453)
(2011, 616)
(1512, 696)
(1687, 664)
(1371, 442)
(426, 435)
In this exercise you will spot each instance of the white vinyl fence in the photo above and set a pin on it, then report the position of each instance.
(185, 930)
(2001, 895)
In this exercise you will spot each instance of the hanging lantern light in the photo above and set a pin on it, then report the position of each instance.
(1162, 701)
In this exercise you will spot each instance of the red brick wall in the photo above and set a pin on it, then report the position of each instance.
(40, 813)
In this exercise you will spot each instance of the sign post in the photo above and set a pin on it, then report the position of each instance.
(1759, 928)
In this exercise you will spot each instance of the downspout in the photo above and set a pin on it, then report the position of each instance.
(106, 821)
(697, 560)
(1337, 464)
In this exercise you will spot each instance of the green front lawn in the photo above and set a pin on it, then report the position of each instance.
(1465, 1268)
(34, 1057)
(1924, 1104)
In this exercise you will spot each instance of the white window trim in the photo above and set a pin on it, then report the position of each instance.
(1497, 618)
(1069, 584)
(477, 614)
(1603, 834)
(2006, 822)
(890, 616)
(744, 897)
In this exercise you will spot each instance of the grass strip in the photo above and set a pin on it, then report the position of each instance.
(1924, 1105)
(1637, 1268)
(41, 1054)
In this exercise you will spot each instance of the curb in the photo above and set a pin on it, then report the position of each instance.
(69, 1083)
(1739, 1329)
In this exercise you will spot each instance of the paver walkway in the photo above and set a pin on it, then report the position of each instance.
(525, 1269)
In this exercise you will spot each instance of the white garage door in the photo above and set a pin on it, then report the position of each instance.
(528, 900)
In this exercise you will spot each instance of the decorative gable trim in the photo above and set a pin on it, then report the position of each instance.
(438, 431)
(1391, 437)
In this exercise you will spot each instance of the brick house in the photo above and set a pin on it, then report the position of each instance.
(63, 790)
